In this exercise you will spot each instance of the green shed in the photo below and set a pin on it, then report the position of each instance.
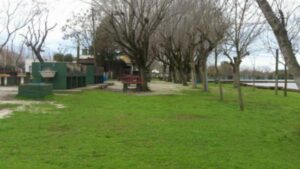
(66, 75)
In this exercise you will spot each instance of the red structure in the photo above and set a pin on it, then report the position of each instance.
(8, 70)
(128, 80)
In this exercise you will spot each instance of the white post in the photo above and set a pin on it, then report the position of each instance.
(22, 80)
(5, 81)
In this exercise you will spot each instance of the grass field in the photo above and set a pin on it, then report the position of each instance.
(101, 129)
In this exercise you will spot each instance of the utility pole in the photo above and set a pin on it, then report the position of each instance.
(78, 50)
(254, 74)
(5, 57)
(94, 36)
(276, 72)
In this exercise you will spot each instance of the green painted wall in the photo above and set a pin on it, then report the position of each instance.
(90, 75)
(59, 81)
(64, 80)
(12, 81)
(35, 90)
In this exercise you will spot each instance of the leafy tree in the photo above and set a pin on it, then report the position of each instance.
(79, 28)
(68, 58)
(59, 57)
(105, 45)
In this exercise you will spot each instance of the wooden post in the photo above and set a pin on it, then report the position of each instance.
(285, 80)
(254, 76)
(22, 80)
(276, 72)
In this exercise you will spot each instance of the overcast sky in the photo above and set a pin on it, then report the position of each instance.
(61, 10)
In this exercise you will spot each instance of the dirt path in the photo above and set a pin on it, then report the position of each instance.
(4, 113)
(156, 87)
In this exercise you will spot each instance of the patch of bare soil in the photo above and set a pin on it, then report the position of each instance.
(28, 106)
(4, 113)
(156, 87)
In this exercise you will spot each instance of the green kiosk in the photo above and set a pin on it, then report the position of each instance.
(50, 76)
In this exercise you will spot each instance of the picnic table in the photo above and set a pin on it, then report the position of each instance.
(128, 80)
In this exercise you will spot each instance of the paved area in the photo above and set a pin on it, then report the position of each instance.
(8, 93)
(291, 86)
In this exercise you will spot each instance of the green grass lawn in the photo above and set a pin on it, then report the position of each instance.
(7, 106)
(100, 129)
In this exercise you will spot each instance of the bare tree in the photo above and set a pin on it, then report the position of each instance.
(174, 40)
(17, 52)
(14, 16)
(278, 25)
(37, 32)
(246, 27)
(80, 28)
(290, 21)
(218, 75)
(272, 47)
(134, 22)
(188, 35)
(211, 29)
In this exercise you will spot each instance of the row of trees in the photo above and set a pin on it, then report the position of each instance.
(183, 34)
(247, 73)
(180, 34)
(60, 57)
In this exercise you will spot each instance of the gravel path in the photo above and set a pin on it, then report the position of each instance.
(156, 87)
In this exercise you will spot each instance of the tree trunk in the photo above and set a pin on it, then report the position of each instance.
(182, 75)
(193, 75)
(193, 70)
(235, 76)
(218, 77)
(285, 80)
(78, 50)
(144, 76)
(177, 76)
(39, 56)
(221, 90)
(198, 71)
(203, 72)
(164, 72)
(282, 38)
(174, 75)
(216, 67)
(170, 77)
(239, 88)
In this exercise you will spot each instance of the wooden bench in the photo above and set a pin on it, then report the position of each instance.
(131, 79)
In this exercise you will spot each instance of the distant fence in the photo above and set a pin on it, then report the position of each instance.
(251, 81)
